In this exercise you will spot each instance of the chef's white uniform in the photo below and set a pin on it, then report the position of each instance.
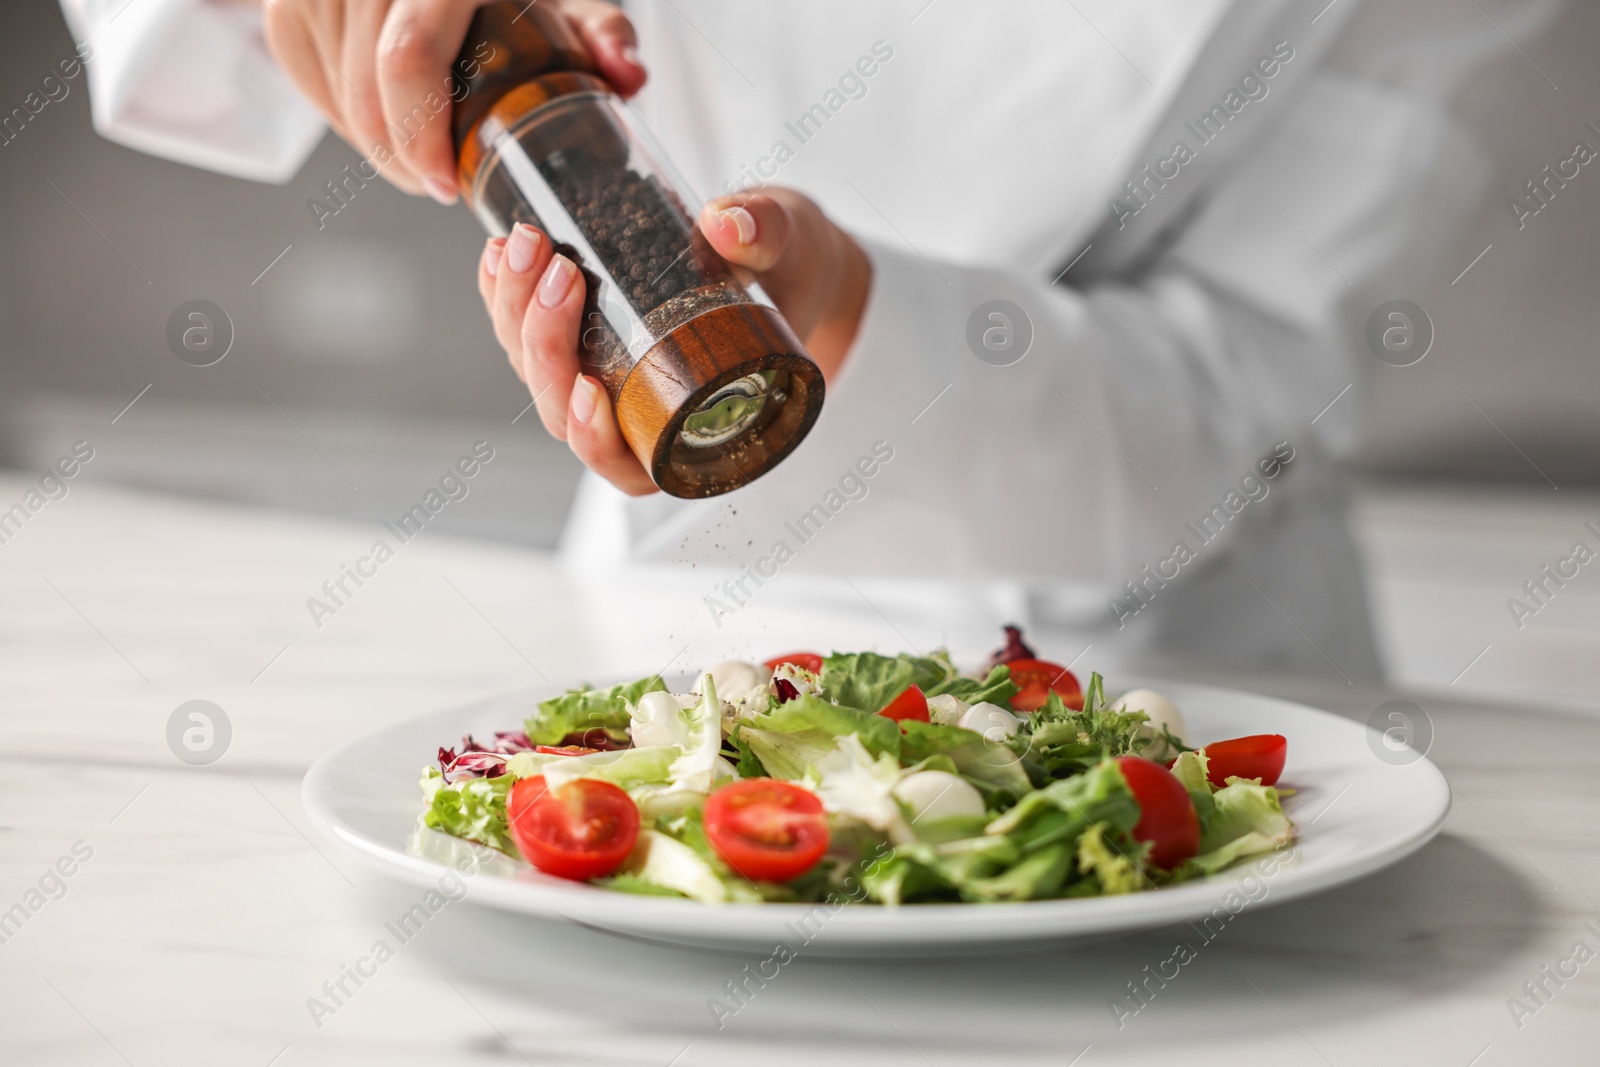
(1193, 311)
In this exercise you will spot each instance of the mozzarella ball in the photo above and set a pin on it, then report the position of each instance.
(736, 677)
(946, 710)
(990, 720)
(1162, 713)
(938, 795)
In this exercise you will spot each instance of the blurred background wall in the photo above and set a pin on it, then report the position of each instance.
(363, 364)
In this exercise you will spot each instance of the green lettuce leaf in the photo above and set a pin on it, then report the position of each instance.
(474, 808)
(851, 781)
(628, 768)
(686, 871)
(997, 688)
(1191, 769)
(902, 878)
(813, 725)
(632, 883)
(584, 709)
(989, 765)
(748, 765)
(666, 863)
(868, 681)
(1063, 810)
(1039, 875)
(1246, 819)
(699, 734)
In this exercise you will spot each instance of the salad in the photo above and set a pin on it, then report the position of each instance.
(863, 777)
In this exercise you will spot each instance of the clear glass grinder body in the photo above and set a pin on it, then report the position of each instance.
(710, 386)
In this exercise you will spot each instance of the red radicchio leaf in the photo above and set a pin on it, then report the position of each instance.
(510, 742)
(595, 738)
(785, 689)
(1013, 649)
(470, 764)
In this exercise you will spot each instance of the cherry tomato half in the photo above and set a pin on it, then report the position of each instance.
(1257, 756)
(523, 793)
(1167, 818)
(767, 828)
(583, 830)
(809, 660)
(910, 704)
(1035, 678)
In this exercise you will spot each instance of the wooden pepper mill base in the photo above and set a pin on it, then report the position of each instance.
(703, 416)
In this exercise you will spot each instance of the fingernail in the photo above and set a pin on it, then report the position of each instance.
(743, 222)
(491, 256)
(630, 55)
(520, 247)
(437, 189)
(585, 395)
(556, 282)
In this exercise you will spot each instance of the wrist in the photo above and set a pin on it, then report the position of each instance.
(835, 331)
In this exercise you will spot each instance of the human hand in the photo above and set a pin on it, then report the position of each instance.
(369, 65)
(815, 272)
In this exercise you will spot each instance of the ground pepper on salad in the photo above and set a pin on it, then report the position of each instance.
(898, 776)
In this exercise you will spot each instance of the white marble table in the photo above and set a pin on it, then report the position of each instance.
(208, 911)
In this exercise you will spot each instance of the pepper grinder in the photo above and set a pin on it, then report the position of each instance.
(710, 386)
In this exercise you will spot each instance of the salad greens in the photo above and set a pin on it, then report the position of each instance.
(1033, 803)
(583, 709)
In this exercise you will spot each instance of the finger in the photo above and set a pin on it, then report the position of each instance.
(609, 35)
(550, 340)
(523, 260)
(594, 437)
(750, 230)
(288, 33)
(362, 102)
(419, 41)
(292, 36)
(488, 268)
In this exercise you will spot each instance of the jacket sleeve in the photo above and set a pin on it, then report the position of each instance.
(1142, 403)
(192, 81)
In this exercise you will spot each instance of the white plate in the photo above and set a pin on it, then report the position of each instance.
(1357, 812)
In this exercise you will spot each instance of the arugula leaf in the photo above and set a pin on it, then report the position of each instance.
(584, 709)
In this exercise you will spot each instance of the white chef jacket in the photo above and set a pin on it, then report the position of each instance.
(1190, 312)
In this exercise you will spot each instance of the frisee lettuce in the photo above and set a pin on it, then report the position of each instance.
(474, 808)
